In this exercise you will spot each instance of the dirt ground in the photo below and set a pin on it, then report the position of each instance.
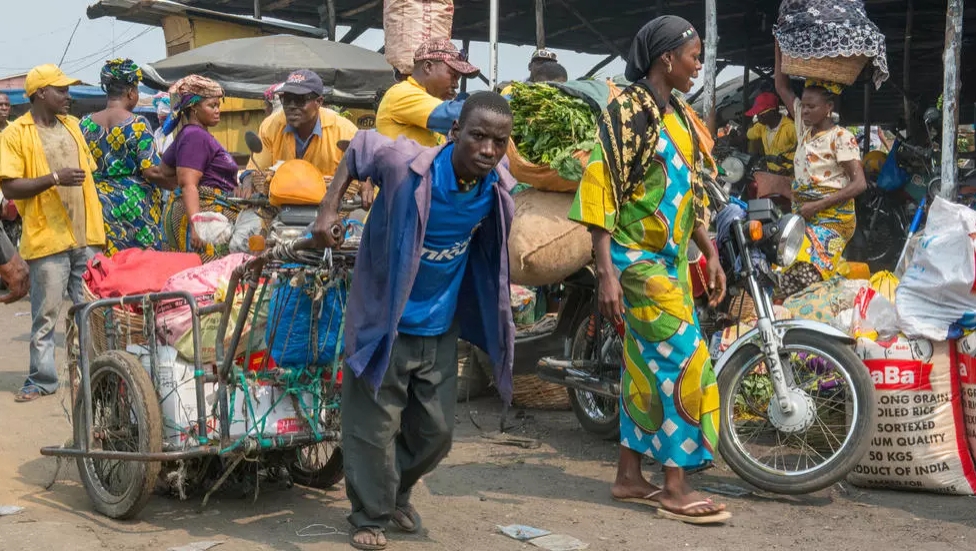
(561, 485)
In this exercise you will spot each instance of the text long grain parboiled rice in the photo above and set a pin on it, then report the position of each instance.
(919, 442)
(967, 376)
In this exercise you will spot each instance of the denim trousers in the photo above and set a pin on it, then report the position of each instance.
(50, 278)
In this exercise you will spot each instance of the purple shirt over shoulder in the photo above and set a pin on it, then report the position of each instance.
(196, 148)
(389, 259)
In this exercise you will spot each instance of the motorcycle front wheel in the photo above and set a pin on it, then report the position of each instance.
(813, 448)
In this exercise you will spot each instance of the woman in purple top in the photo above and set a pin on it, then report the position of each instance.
(206, 172)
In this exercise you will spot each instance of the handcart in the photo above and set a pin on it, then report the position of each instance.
(143, 418)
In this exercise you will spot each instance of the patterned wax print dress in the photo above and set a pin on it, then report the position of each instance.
(131, 207)
(669, 395)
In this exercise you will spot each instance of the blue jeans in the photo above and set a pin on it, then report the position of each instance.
(50, 277)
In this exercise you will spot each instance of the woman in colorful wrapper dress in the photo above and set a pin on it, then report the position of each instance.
(827, 177)
(206, 172)
(128, 177)
(643, 199)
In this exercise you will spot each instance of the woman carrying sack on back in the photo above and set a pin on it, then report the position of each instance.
(643, 198)
(205, 171)
(827, 177)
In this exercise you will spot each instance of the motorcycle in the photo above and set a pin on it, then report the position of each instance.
(748, 176)
(893, 207)
(796, 403)
(288, 216)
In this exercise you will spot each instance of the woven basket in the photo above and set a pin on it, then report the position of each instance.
(743, 308)
(843, 70)
(129, 325)
(531, 392)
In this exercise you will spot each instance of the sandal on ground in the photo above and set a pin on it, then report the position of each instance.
(651, 499)
(28, 394)
(682, 514)
(376, 532)
(407, 519)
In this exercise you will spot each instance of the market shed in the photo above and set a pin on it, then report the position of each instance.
(917, 27)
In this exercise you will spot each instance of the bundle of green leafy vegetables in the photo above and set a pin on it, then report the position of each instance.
(549, 126)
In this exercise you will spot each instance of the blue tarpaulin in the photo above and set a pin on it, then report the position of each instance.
(77, 93)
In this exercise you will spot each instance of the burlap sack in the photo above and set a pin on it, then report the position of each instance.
(544, 246)
(409, 23)
(541, 177)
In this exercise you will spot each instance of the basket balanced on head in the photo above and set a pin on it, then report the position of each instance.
(830, 40)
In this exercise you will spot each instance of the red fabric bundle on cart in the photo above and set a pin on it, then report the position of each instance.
(135, 271)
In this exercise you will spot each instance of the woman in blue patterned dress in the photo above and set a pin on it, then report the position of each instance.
(128, 178)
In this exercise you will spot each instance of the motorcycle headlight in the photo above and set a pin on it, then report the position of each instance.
(285, 233)
(791, 230)
(735, 169)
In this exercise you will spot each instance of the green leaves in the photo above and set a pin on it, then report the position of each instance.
(549, 126)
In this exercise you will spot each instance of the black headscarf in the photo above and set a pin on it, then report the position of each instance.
(661, 35)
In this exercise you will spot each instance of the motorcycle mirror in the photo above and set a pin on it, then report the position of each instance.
(253, 142)
(931, 115)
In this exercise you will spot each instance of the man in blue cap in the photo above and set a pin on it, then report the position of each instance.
(303, 128)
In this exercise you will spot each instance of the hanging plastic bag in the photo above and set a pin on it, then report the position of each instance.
(892, 177)
(212, 227)
(248, 223)
(937, 288)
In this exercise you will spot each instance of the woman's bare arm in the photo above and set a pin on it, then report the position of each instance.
(783, 87)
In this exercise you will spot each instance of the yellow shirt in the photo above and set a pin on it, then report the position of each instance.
(47, 226)
(279, 144)
(404, 111)
(781, 141)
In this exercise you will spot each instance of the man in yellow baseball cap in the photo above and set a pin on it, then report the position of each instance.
(46, 169)
(49, 75)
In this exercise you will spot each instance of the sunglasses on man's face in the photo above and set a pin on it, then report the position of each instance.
(295, 99)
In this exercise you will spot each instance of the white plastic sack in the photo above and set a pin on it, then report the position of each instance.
(212, 227)
(936, 290)
(873, 315)
(248, 224)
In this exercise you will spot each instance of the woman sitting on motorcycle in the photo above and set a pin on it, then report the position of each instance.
(643, 198)
(206, 172)
(827, 177)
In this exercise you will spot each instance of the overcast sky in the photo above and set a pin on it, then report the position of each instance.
(37, 31)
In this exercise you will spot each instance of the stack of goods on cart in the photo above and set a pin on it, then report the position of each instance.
(915, 336)
(830, 40)
(409, 23)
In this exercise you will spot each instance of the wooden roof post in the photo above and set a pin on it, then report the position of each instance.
(492, 44)
(950, 97)
(711, 51)
(257, 9)
(540, 24)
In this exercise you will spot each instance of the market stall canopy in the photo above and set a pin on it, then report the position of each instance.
(744, 28)
(246, 67)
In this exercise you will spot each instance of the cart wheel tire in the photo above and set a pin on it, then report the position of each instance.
(144, 418)
(324, 477)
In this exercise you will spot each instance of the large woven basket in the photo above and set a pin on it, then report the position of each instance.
(128, 325)
(531, 392)
(843, 70)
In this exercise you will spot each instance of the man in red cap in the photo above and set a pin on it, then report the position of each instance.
(424, 106)
(774, 131)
